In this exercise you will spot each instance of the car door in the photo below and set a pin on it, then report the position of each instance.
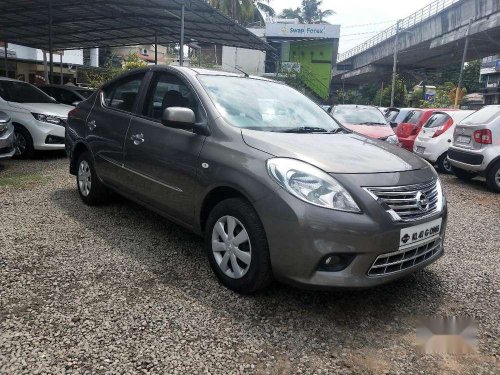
(107, 126)
(162, 161)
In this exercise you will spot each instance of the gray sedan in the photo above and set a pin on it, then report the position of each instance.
(277, 187)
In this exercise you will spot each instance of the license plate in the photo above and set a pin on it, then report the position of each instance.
(420, 150)
(420, 233)
(463, 139)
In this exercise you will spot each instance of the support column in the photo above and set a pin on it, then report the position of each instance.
(181, 51)
(51, 57)
(156, 48)
(61, 61)
(5, 60)
(464, 57)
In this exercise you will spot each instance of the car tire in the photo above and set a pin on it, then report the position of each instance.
(443, 165)
(463, 174)
(239, 259)
(23, 143)
(91, 190)
(493, 177)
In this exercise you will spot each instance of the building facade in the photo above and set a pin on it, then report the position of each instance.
(490, 75)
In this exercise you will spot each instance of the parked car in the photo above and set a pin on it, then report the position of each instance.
(38, 119)
(70, 95)
(7, 148)
(408, 130)
(274, 184)
(435, 137)
(396, 116)
(476, 147)
(366, 120)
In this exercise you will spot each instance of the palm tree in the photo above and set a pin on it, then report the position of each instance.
(309, 12)
(244, 11)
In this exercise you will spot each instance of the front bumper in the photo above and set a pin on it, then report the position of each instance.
(301, 235)
(7, 140)
(43, 133)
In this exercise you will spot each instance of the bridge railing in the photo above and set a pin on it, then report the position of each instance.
(421, 15)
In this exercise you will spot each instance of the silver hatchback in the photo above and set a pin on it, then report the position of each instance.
(476, 147)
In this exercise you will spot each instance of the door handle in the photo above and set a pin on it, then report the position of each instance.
(91, 125)
(137, 139)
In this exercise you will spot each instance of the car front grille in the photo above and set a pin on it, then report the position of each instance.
(390, 263)
(408, 203)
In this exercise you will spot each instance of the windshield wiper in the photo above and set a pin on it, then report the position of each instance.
(372, 123)
(305, 129)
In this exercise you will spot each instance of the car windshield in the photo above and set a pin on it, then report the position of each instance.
(483, 116)
(84, 92)
(266, 106)
(359, 115)
(20, 92)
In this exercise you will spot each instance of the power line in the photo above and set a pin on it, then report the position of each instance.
(367, 24)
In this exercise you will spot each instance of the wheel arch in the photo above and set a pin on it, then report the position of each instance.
(78, 149)
(213, 197)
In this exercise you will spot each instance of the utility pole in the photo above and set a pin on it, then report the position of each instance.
(381, 94)
(394, 66)
(460, 78)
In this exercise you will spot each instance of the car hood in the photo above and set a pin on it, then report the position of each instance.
(371, 131)
(336, 153)
(54, 109)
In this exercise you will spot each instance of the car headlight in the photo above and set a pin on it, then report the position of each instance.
(47, 118)
(3, 127)
(441, 197)
(393, 139)
(310, 184)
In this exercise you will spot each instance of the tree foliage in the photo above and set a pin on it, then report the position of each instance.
(244, 11)
(97, 77)
(309, 12)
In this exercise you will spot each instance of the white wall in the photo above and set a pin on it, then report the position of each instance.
(250, 61)
(28, 53)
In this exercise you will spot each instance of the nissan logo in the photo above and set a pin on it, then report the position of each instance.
(422, 201)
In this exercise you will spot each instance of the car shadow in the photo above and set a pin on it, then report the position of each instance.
(176, 257)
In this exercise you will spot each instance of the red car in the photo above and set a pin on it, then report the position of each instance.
(366, 120)
(408, 130)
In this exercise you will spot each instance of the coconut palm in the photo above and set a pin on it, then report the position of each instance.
(244, 11)
(309, 12)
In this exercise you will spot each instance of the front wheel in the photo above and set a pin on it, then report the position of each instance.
(91, 190)
(23, 143)
(443, 164)
(463, 174)
(493, 177)
(237, 248)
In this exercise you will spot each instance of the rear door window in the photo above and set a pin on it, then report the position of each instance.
(123, 94)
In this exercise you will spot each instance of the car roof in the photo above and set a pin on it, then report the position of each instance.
(67, 87)
(357, 106)
(11, 79)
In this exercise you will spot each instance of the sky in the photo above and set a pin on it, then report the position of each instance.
(379, 14)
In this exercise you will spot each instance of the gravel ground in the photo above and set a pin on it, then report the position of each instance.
(118, 289)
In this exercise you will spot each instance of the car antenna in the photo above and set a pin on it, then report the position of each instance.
(241, 71)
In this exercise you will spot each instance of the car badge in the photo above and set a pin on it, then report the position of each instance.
(422, 201)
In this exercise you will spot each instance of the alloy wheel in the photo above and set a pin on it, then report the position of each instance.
(447, 165)
(84, 178)
(497, 178)
(231, 247)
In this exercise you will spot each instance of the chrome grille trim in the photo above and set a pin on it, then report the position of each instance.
(401, 201)
(401, 260)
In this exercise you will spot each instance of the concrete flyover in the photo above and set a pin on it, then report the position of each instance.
(431, 38)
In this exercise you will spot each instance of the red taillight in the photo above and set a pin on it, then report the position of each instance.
(483, 136)
(73, 112)
(443, 128)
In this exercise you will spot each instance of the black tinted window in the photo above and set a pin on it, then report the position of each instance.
(21, 92)
(413, 117)
(65, 96)
(437, 120)
(123, 94)
(168, 90)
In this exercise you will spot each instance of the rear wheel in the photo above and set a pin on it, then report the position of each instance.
(443, 164)
(463, 174)
(23, 143)
(91, 190)
(493, 177)
(236, 246)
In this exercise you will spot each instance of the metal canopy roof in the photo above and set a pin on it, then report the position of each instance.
(102, 23)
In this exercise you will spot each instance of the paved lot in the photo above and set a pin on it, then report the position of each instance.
(118, 289)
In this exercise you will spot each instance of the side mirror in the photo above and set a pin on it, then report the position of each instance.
(75, 103)
(4, 118)
(179, 117)
(393, 124)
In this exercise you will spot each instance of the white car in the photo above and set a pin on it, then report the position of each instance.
(436, 136)
(39, 120)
